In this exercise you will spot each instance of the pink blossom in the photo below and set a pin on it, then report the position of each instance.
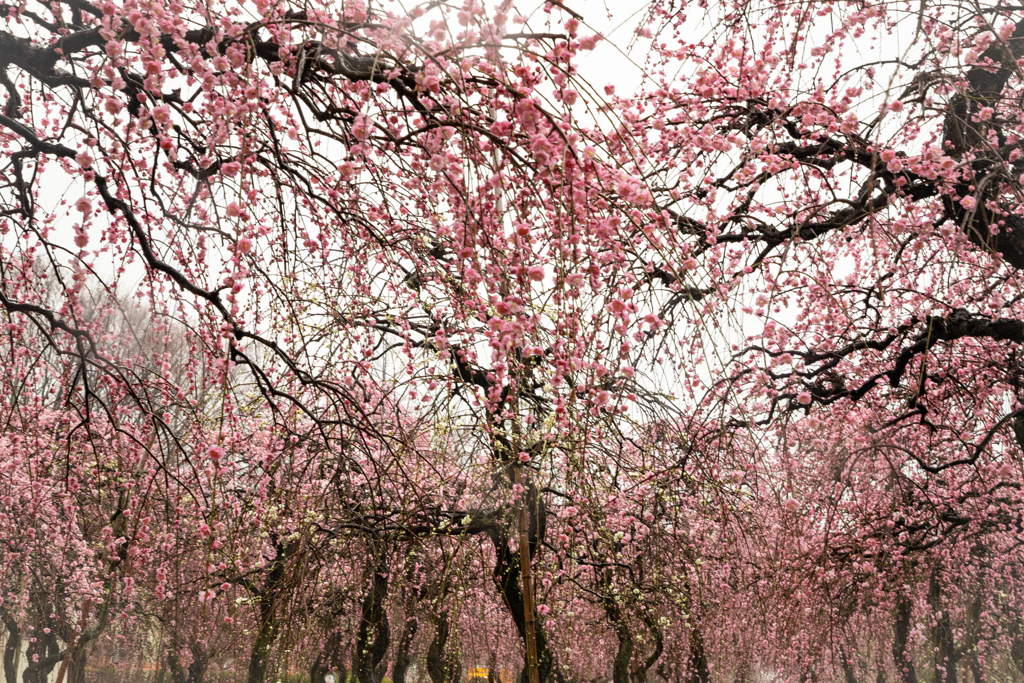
(361, 127)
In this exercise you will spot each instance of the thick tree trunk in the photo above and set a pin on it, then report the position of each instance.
(318, 669)
(699, 672)
(624, 652)
(175, 668)
(901, 656)
(413, 593)
(200, 661)
(267, 600)
(442, 662)
(259, 659)
(623, 655)
(329, 658)
(373, 635)
(403, 652)
(506, 577)
(973, 630)
(942, 634)
(12, 650)
(1017, 645)
(42, 657)
(76, 667)
(640, 672)
(849, 674)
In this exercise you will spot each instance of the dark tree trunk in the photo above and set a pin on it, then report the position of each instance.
(373, 635)
(1017, 651)
(76, 667)
(623, 655)
(973, 630)
(699, 672)
(624, 652)
(942, 634)
(175, 668)
(403, 653)
(413, 592)
(41, 657)
(329, 658)
(318, 669)
(259, 659)
(200, 660)
(267, 598)
(640, 672)
(11, 650)
(506, 577)
(901, 641)
(849, 674)
(442, 663)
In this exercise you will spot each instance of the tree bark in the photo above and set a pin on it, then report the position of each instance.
(640, 672)
(973, 630)
(329, 658)
(942, 634)
(373, 635)
(268, 598)
(1017, 645)
(624, 652)
(403, 652)
(506, 578)
(42, 657)
(442, 663)
(905, 672)
(849, 674)
(200, 661)
(12, 648)
(699, 672)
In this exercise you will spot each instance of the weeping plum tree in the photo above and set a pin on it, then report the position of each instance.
(424, 319)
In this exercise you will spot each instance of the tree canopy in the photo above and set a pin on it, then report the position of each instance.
(397, 340)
